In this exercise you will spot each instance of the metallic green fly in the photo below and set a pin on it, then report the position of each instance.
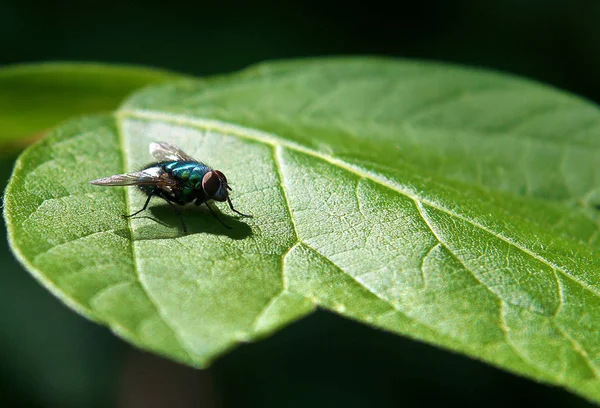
(178, 179)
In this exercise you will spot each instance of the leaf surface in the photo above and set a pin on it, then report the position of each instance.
(450, 205)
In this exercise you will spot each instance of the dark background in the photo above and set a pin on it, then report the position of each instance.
(51, 357)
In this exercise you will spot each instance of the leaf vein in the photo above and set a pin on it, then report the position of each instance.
(427, 221)
(136, 266)
(262, 137)
(579, 350)
(506, 334)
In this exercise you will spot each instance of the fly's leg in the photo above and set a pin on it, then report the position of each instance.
(172, 200)
(185, 230)
(143, 208)
(215, 215)
(236, 211)
(168, 200)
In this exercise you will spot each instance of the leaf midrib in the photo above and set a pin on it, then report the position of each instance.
(137, 271)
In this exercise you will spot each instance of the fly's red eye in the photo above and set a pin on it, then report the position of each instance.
(211, 182)
(221, 175)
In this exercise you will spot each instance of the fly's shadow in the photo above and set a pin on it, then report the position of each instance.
(197, 220)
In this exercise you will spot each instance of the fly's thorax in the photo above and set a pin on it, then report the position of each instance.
(189, 176)
(187, 173)
(196, 181)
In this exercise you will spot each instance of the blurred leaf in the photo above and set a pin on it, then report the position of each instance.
(36, 97)
(450, 205)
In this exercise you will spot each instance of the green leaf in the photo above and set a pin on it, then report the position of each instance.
(29, 360)
(450, 205)
(36, 97)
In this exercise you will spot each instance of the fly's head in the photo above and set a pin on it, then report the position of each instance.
(214, 184)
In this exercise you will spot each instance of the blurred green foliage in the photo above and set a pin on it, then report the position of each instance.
(64, 361)
(36, 97)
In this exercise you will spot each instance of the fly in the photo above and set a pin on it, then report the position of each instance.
(178, 179)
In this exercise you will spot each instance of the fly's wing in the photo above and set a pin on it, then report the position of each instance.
(167, 152)
(148, 177)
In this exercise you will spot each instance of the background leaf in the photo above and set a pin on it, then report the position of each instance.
(441, 203)
(35, 97)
